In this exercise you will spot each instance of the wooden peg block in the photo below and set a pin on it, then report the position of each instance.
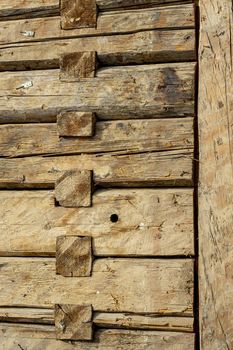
(74, 256)
(76, 124)
(78, 65)
(74, 189)
(73, 322)
(78, 14)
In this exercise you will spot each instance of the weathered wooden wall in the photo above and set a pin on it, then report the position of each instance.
(135, 145)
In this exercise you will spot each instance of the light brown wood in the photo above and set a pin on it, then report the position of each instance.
(142, 47)
(216, 180)
(173, 168)
(77, 66)
(124, 136)
(127, 21)
(78, 14)
(104, 340)
(116, 285)
(150, 222)
(73, 322)
(73, 256)
(101, 319)
(74, 188)
(132, 321)
(28, 8)
(110, 4)
(165, 90)
(75, 124)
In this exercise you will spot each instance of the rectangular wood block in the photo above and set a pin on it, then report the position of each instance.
(74, 189)
(76, 124)
(73, 322)
(78, 14)
(73, 256)
(78, 65)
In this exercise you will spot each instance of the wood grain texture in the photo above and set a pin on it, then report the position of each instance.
(142, 47)
(150, 222)
(78, 65)
(174, 168)
(104, 340)
(165, 90)
(78, 14)
(73, 256)
(110, 4)
(74, 188)
(127, 21)
(216, 180)
(28, 8)
(35, 316)
(125, 136)
(76, 124)
(116, 285)
(73, 322)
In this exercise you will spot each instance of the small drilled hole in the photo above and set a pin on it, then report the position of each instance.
(114, 218)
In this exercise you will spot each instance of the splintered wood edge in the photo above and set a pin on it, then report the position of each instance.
(73, 189)
(76, 124)
(73, 322)
(77, 14)
(74, 256)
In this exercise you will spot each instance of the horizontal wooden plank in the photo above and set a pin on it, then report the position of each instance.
(174, 168)
(127, 21)
(116, 285)
(101, 319)
(32, 315)
(28, 8)
(165, 90)
(111, 4)
(142, 47)
(149, 222)
(113, 136)
(25, 338)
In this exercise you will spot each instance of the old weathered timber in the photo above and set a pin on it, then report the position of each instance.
(125, 136)
(78, 14)
(114, 286)
(73, 322)
(76, 124)
(30, 338)
(127, 21)
(165, 90)
(142, 47)
(38, 316)
(150, 222)
(173, 168)
(216, 180)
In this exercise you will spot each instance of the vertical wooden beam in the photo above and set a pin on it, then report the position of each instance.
(216, 175)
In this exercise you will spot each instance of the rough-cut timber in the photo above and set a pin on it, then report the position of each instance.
(216, 179)
(76, 124)
(77, 66)
(116, 285)
(110, 4)
(142, 47)
(27, 9)
(127, 21)
(73, 322)
(73, 256)
(74, 188)
(151, 222)
(165, 90)
(125, 136)
(173, 168)
(78, 14)
(35, 316)
(103, 340)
